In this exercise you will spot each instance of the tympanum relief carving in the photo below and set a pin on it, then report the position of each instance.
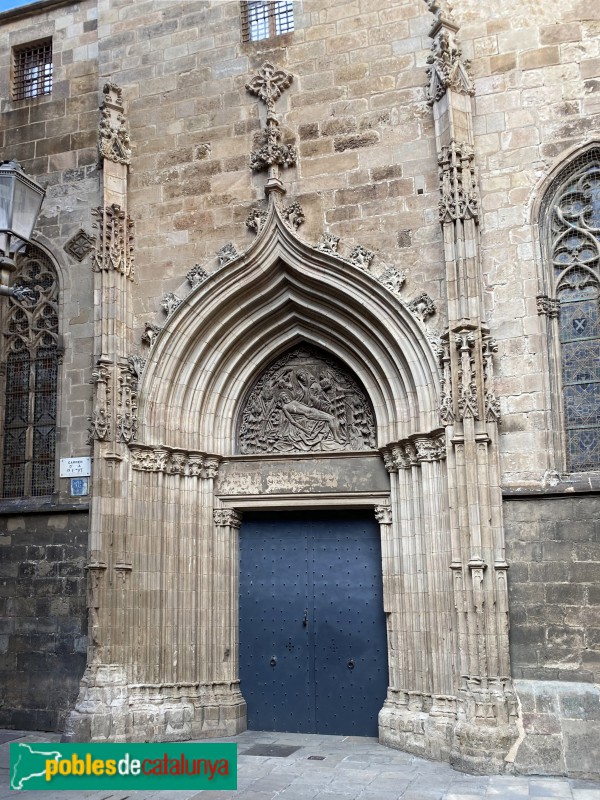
(308, 402)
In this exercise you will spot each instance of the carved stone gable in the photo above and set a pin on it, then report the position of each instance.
(306, 402)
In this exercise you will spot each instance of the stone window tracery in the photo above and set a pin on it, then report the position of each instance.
(30, 359)
(572, 242)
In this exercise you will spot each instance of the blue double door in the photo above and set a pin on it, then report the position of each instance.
(313, 645)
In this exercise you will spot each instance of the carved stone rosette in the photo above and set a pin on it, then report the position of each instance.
(114, 244)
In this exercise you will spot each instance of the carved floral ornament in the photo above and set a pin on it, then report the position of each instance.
(171, 461)
(113, 138)
(268, 85)
(413, 451)
(447, 70)
(114, 244)
(307, 402)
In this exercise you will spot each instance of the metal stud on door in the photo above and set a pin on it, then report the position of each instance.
(313, 649)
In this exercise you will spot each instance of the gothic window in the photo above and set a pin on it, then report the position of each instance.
(264, 20)
(30, 359)
(32, 70)
(572, 242)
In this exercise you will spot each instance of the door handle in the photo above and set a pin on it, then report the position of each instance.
(273, 661)
(305, 618)
(350, 663)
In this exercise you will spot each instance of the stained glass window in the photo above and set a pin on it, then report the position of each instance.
(573, 242)
(30, 345)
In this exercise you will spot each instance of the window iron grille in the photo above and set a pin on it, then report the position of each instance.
(32, 70)
(264, 20)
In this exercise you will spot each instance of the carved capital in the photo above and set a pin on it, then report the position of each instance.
(547, 306)
(227, 518)
(383, 515)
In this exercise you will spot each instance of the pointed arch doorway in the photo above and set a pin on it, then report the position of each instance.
(313, 643)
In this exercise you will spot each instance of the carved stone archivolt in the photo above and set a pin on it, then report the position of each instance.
(306, 402)
(113, 138)
(172, 461)
(114, 242)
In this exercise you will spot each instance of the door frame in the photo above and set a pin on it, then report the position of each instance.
(307, 502)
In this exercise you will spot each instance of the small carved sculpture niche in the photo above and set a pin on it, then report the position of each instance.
(307, 401)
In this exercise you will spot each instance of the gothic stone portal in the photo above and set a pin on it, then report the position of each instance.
(306, 402)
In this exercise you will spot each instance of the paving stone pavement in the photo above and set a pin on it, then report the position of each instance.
(352, 768)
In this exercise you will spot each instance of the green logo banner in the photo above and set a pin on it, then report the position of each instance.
(80, 767)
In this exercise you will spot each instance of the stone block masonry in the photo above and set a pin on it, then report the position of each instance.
(43, 617)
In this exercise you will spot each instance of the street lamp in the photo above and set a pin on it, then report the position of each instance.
(20, 203)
